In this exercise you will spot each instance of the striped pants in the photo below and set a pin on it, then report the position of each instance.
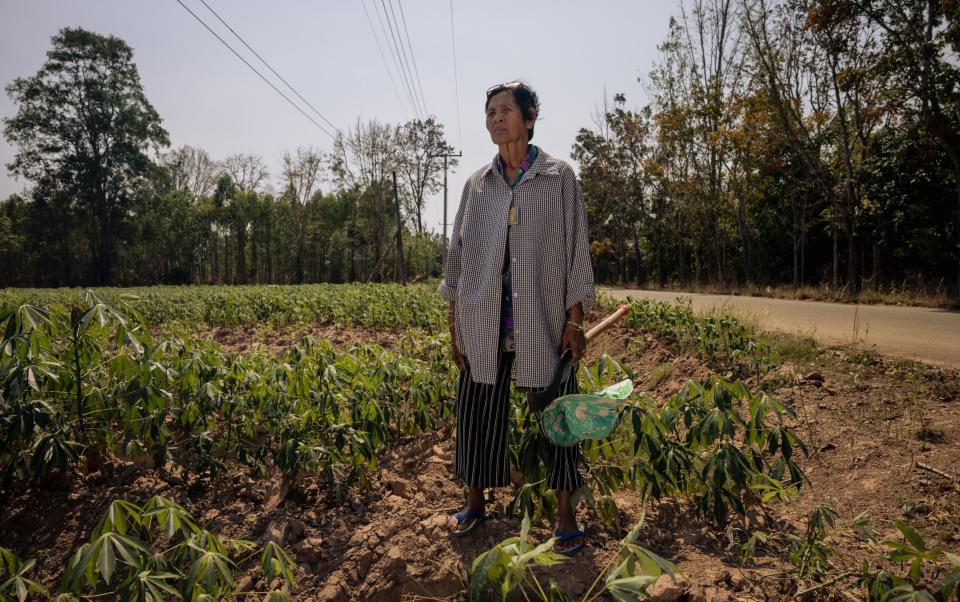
(483, 416)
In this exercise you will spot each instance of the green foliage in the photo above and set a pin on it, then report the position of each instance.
(378, 306)
(717, 443)
(623, 581)
(50, 361)
(14, 583)
(79, 382)
(317, 410)
(157, 552)
(931, 573)
(726, 342)
(809, 553)
(87, 138)
(85, 128)
(276, 562)
(734, 182)
(509, 565)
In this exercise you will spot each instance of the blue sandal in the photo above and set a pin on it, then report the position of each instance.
(562, 537)
(473, 516)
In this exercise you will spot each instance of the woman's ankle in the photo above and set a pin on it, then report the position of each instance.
(475, 499)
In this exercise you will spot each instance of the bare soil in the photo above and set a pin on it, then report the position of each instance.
(868, 424)
(277, 340)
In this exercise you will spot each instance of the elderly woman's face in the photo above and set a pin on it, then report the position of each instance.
(505, 120)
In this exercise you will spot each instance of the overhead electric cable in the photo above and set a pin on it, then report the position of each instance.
(274, 71)
(252, 68)
(413, 57)
(396, 61)
(456, 82)
(405, 53)
(386, 64)
(401, 55)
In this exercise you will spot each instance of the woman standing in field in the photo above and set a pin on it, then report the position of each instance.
(518, 279)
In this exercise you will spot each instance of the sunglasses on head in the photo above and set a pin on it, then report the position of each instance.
(501, 87)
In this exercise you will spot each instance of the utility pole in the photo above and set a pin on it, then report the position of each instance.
(445, 155)
(401, 265)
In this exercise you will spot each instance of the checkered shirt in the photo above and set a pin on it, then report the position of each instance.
(550, 265)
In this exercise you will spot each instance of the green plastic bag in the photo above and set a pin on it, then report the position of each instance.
(572, 418)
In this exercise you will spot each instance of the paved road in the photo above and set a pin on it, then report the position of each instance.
(930, 335)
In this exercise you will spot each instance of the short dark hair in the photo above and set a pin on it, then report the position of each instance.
(525, 97)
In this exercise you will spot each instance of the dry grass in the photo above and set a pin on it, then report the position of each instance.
(938, 297)
(754, 320)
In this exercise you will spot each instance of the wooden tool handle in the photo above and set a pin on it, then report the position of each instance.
(608, 321)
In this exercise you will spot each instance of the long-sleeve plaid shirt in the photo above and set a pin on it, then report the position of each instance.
(550, 265)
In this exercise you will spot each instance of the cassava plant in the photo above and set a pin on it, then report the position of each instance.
(510, 564)
(157, 552)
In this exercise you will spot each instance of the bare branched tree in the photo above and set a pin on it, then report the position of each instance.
(418, 145)
(363, 160)
(191, 171)
(249, 172)
(302, 172)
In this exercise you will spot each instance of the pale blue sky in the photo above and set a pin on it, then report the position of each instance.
(568, 51)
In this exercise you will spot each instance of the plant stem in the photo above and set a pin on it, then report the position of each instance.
(77, 376)
(596, 581)
(827, 583)
(539, 587)
(531, 579)
(524, 592)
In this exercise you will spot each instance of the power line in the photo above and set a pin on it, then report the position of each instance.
(396, 63)
(398, 53)
(456, 82)
(252, 68)
(397, 40)
(386, 64)
(274, 71)
(413, 57)
(404, 52)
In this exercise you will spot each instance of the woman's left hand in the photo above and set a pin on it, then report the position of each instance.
(573, 339)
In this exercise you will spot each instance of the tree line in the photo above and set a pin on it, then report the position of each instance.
(799, 142)
(109, 204)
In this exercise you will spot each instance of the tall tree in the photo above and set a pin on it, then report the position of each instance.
(191, 170)
(248, 171)
(236, 210)
(671, 168)
(715, 54)
(794, 77)
(920, 37)
(13, 259)
(849, 49)
(363, 159)
(419, 144)
(301, 174)
(613, 171)
(85, 127)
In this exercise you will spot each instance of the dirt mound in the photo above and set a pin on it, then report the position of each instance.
(657, 369)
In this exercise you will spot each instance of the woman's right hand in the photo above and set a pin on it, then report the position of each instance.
(458, 358)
